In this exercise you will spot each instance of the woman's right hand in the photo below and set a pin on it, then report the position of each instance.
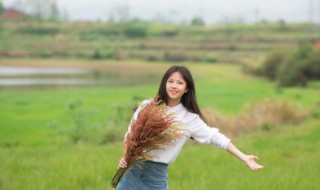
(122, 163)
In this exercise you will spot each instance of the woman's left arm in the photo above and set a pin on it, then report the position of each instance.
(249, 160)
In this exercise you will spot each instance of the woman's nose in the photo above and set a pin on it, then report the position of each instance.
(174, 85)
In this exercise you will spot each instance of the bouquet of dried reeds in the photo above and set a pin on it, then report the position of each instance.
(153, 128)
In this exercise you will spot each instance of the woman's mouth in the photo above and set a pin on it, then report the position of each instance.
(173, 91)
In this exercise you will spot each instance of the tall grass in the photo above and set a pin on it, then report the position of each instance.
(264, 114)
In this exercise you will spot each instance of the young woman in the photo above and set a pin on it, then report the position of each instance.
(177, 90)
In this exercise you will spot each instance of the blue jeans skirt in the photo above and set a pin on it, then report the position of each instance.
(145, 175)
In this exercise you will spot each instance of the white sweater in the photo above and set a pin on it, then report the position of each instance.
(193, 127)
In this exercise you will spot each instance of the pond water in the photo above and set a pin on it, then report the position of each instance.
(27, 81)
(21, 76)
(10, 71)
(37, 77)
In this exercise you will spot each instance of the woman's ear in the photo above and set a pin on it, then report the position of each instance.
(186, 91)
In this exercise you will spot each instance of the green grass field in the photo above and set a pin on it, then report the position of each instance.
(36, 153)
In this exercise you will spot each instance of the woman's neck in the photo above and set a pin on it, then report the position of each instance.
(172, 103)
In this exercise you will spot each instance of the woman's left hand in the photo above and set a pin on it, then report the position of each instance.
(250, 162)
(122, 163)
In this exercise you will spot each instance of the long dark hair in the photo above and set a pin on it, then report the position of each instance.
(188, 100)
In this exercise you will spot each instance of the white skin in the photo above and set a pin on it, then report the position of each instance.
(176, 86)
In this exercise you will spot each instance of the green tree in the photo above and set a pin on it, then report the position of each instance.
(54, 14)
(282, 25)
(290, 71)
(197, 21)
(1, 7)
(135, 29)
(271, 65)
(304, 61)
(294, 67)
(314, 67)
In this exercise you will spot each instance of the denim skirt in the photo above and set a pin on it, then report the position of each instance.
(145, 175)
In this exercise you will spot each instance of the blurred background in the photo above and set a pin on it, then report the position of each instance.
(71, 71)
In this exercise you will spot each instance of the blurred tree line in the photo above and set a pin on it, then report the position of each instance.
(48, 10)
(294, 67)
(37, 10)
(1, 7)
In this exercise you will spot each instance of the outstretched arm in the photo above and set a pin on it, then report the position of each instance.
(249, 160)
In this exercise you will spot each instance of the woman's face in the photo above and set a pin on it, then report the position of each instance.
(176, 86)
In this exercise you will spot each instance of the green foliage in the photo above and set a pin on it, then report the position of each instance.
(303, 51)
(96, 54)
(290, 72)
(88, 36)
(175, 56)
(135, 29)
(39, 30)
(153, 57)
(110, 30)
(80, 130)
(313, 66)
(310, 61)
(293, 68)
(282, 25)
(251, 69)
(170, 33)
(232, 47)
(1, 8)
(85, 131)
(302, 62)
(122, 114)
(315, 110)
(45, 54)
(197, 21)
(210, 59)
(271, 65)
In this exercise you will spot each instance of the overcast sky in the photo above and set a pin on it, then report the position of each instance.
(213, 11)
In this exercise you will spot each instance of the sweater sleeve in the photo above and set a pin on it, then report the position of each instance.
(202, 133)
